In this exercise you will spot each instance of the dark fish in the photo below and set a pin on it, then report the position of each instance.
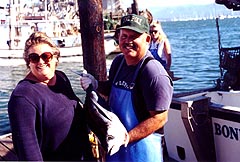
(105, 124)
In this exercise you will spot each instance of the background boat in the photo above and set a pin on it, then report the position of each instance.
(68, 53)
(59, 20)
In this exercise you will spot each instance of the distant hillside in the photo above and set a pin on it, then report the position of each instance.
(191, 12)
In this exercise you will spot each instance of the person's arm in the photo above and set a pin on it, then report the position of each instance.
(148, 126)
(22, 116)
(168, 54)
(157, 97)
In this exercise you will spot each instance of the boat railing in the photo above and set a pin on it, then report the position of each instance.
(230, 68)
(230, 59)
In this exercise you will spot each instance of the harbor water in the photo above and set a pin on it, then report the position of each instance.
(195, 59)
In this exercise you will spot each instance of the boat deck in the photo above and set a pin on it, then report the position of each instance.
(7, 152)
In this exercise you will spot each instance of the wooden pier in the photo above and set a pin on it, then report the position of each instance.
(7, 152)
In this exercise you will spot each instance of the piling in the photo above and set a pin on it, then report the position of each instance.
(92, 35)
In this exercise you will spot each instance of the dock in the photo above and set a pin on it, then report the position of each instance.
(7, 152)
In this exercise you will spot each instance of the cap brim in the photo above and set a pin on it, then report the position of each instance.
(132, 28)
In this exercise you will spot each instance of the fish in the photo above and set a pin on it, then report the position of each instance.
(104, 124)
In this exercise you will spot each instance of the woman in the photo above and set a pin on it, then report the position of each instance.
(160, 46)
(46, 118)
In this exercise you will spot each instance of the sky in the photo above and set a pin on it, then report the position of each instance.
(148, 4)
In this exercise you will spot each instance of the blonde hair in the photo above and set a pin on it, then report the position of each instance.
(39, 38)
(157, 25)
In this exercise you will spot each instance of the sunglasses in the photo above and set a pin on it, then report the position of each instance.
(34, 57)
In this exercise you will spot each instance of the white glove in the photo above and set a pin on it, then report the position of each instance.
(117, 135)
(86, 80)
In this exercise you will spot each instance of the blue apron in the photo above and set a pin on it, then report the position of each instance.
(154, 52)
(148, 149)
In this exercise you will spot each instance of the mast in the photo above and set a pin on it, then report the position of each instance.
(14, 7)
(12, 22)
(219, 44)
(45, 10)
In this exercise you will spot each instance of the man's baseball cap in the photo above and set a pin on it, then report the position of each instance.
(136, 23)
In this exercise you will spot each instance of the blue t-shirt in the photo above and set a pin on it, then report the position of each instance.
(47, 122)
(154, 83)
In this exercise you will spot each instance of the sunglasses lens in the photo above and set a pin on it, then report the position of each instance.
(46, 57)
(34, 58)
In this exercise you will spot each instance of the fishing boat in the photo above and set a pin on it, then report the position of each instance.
(204, 125)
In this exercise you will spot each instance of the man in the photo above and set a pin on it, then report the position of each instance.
(139, 91)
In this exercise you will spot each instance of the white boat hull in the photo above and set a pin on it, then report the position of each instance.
(204, 127)
(226, 137)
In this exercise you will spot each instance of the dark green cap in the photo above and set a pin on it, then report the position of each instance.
(136, 23)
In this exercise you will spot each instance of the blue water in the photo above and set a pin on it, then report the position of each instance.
(194, 54)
